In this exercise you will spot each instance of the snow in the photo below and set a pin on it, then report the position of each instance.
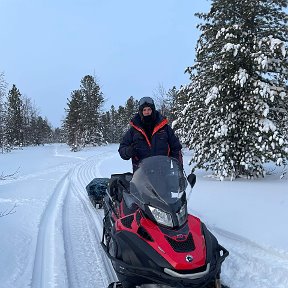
(212, 94)
(241, 77)
(53, 238)
(231, 46)
(266, 125)
(275, 43)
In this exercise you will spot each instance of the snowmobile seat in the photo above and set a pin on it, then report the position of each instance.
(118, 184)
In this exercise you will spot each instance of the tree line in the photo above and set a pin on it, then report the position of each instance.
(20, 122)
(87, 124)
(232, 115)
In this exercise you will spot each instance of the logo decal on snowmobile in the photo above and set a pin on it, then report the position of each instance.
(180, 236)
(189, 258)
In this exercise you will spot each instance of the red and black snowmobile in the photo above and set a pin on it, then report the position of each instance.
(149, 235)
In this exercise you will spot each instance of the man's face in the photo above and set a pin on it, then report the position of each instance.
(147, 111)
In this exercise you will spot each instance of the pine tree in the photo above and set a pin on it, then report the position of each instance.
(235, 118)
(121, 124)
(73, 123)
(93, 101)
(131, 108)
(114, 125)
(14, 118)
(107, 127)
(116, 122)
(59, 135)
(42, 132)
(82, 124)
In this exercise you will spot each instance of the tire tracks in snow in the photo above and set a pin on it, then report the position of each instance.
(43, 271)
(68, 251)
(102, 272)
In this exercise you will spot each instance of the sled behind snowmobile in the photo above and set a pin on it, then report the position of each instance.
(96, 190)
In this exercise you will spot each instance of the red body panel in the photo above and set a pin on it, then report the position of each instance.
(163, 247)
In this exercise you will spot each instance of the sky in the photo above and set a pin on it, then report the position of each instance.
(131, 47)
(53, 237)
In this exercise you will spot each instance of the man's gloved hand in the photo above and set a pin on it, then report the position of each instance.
(130, 151)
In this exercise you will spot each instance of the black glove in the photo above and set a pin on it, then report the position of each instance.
(130, 151)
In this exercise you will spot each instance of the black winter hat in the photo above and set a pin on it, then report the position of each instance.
(146, 102)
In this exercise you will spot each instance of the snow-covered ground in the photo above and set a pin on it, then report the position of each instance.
(53, 238)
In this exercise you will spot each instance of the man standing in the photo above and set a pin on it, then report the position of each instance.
(149, 135)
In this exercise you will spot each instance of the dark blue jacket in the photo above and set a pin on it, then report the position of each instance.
(163, 141)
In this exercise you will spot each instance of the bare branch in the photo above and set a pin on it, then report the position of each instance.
(284, 172)
(8, 212)
(9, 176)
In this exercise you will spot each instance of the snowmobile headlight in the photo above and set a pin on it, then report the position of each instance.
(182, 215)
(161, 217)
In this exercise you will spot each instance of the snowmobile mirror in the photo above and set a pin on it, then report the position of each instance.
(191, 178)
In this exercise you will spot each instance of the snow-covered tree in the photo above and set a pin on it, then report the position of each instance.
(236, 116)
(173, 102)
(180, 101)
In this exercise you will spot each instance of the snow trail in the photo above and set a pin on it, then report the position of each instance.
(43, 271)
(68, 250)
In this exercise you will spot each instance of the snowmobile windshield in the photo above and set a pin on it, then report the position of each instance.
(158, 179)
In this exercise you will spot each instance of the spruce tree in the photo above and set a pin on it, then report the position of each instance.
(238, 98)
(14, 118)
(121, 124)
(93, 101)
(41, 131)
(131, 108)
(114, 125)
(107, 127)
(82, 124)
(73, 123)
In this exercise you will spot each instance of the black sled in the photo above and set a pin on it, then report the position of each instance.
(148, 234)
(96, 191)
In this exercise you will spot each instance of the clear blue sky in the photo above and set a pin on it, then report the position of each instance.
(131, 46)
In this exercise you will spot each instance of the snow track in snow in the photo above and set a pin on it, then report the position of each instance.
(68, 252)
(43, 271)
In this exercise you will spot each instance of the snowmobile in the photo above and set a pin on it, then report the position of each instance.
(148, 234)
